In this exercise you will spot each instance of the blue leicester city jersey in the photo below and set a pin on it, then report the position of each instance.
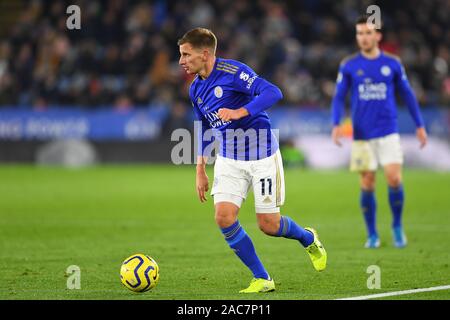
(233, 85)
(373, 84)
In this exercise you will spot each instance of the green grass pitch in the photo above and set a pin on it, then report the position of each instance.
(51, 218)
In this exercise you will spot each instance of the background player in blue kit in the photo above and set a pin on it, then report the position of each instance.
(230, 97)
(374, 77)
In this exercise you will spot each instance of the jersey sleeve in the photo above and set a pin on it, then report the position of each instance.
(406, 92)
(265, 93)
(343, 82)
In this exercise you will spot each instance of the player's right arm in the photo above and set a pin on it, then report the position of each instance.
(337, 106)
(201, 178)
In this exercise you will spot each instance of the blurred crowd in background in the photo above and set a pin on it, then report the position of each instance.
(126, 56)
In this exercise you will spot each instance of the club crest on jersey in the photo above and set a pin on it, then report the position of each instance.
(385, 71)
(199, 100)
(218, 92)
(360, 72)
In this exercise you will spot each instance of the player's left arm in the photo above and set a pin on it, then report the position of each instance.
(402, 84)
(248, 82)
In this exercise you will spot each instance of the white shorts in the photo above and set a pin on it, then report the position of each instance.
(367, 154)
(233, 179)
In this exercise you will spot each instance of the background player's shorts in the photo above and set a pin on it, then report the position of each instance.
(367, 154)
(234, 178)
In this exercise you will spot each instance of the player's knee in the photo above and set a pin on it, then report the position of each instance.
(269, 226)
(368, 181)
(394, 181)
(225, 214)
(224, 218)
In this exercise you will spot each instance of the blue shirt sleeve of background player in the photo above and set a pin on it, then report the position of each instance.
(202, 143)
(402, 84)
(342, 85)
(265, 93)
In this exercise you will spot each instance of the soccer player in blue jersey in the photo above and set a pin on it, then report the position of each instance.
(231, 98)
(374, 76)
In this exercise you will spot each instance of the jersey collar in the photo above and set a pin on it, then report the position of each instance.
(211, 74)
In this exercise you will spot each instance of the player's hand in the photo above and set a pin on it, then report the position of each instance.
(336, 135)
(421, 134)
(202, 184)
(226, 114)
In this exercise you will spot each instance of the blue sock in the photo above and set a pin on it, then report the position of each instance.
(369, 209)
(242, 245)
(289, 229)
(396, 199)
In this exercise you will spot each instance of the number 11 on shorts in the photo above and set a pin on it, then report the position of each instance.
(263, 186)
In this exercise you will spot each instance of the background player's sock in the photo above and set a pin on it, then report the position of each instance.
(396, 198)
(242, 245)
(289, 229)
(369, 209)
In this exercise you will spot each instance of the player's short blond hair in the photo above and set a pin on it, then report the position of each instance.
(200, 38)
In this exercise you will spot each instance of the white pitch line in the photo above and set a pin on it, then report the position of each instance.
(397, 293)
